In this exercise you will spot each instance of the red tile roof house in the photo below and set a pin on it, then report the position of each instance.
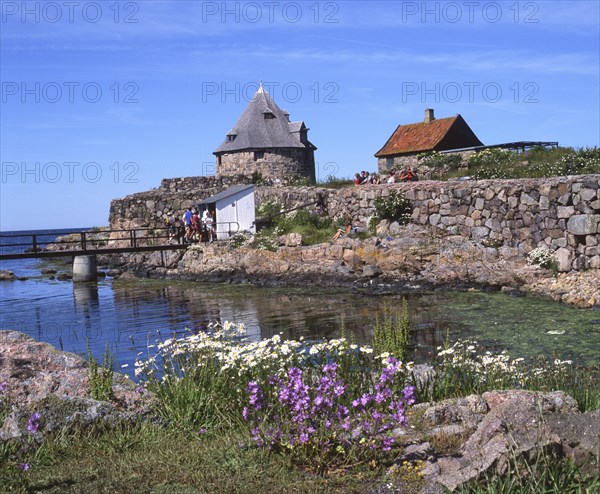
(410, 140)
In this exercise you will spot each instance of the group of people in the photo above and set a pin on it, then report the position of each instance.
(191, 227)
(407, 174)
(364, 178)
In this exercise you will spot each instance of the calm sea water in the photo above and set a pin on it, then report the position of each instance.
(126, 315)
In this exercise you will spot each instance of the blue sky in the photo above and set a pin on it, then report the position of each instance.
(102, 99)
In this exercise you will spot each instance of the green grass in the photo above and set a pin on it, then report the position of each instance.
(312, 235)
(332, 182)
(314, 228)
(149, 459)
(548, 474)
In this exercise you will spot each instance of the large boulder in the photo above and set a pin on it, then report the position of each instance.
(39, 378)
(502, 426)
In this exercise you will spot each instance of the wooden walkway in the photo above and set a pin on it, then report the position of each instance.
(85, 243)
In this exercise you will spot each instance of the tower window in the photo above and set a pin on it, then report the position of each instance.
(259, 155)
(231, 137)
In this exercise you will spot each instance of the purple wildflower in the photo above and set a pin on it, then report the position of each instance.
(34, 422)
(339, 389)
(387, 443)
(140, 390)
(409, 395)
(3, 387)
(256, 394)
(398, 414)
(24, 466)
(274, 380)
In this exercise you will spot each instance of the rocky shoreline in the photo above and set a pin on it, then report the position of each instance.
(401, 258)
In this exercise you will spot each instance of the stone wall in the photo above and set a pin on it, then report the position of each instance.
(561, 213)
(197, 183)
(276, 164)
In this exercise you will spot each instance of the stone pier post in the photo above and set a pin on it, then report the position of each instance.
(85, 268)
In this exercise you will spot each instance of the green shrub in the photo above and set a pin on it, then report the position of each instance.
(542, 257)
(435, 159)
(493, 163)
(101, 376)
(257, 179)
(266, 239)
(563, 161)
(268, 208)
(498, 163)
(237, 240)
(299, 180)
(393, 207)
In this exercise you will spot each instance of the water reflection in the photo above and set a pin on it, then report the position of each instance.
(87, 311)
(126, 315)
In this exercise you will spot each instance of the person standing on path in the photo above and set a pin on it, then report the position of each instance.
(187, 220)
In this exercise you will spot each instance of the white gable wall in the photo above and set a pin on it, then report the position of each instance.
(235, 210)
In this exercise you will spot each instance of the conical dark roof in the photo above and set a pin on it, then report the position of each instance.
(254, 131)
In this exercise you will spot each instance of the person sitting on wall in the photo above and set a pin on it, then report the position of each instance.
(392, 177)
(357, 179)
(407, 175)
(343, 231)
(348, 230)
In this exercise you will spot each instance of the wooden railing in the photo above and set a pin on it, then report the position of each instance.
(40, 245)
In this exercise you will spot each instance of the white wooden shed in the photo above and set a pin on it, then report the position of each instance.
(233, 210)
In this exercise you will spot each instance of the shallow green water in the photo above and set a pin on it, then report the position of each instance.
(524, 326)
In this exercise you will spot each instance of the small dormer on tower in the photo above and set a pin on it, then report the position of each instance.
(268, 114)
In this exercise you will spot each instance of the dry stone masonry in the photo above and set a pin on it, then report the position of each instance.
(559, 213)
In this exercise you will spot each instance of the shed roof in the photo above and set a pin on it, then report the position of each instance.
(226, 193)
(254, 131)
(439, 135)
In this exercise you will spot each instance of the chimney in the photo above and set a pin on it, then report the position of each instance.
(429, 115)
